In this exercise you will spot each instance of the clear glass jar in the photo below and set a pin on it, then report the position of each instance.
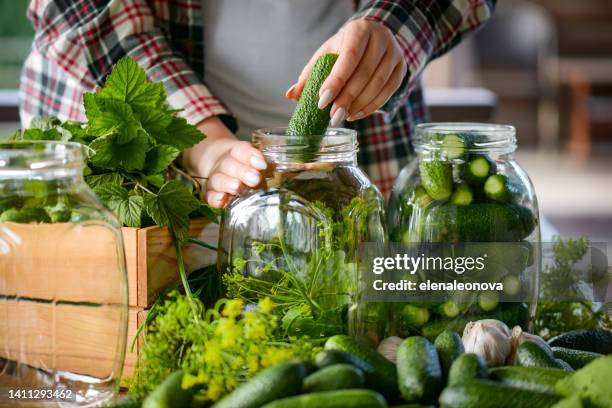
(465, 193)
(63, 281)
(296, 237)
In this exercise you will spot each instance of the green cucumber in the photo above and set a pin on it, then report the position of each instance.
(279, 381)
(25, 215)
(453, 146)
(413, 317)
(481, 222)
(467, 367)
(595, 340)
(418, 370)
(126, 402)
(575, 358)
(488, 300)
(496, 188)
(449, 309)
(334, 377)
(333, 399)
(591, 383)
(437, 178)
(541, 379)
(564, 365)
(476, 170)
(462, 195)
(381, 374)
(169, 394)
(308, 123)
(420, 197)
(531, 354)
(485, 393)
(449, 346)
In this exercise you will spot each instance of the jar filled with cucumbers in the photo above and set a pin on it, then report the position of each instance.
(466, 194)
(295, 238)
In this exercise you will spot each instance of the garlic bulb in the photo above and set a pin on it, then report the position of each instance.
(388, 348)
(518, 337)
(488, 338)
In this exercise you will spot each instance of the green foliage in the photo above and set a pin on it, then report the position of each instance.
(556, 317)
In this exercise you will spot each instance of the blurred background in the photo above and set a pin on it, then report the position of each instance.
(544, 66)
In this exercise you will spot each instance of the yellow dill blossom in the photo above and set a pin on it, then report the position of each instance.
(266, 305)
(277, 355)
(256, 331)
(215, 389)
(213, 354)
(228, 331)
(233, 308)
(253, 364)
(250, 317)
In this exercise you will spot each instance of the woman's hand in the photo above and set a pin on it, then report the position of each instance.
(228, 163)
(369, 70)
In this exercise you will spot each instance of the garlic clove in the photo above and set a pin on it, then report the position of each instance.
(488, 338)
(388, 348)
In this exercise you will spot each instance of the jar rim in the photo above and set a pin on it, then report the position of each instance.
(40, 155)
(483, 136)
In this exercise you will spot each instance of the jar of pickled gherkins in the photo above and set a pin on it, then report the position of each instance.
(296, 237)
(466, 196)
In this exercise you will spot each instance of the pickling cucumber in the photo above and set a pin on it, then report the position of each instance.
(279, 381)
(467, 367)
(480, 222)
(308, 123)
(488, 394)
(496, 188)
(334, 377)
(575, 358)
(531, 354)
(541, 379)
(476, 170)
(453, 146)
(169, 394)
(413, 317)
(449, 346)
(418, 370)
(333, 399)
(462, 195)
(596, 340)
(381, 374)
(437, 178)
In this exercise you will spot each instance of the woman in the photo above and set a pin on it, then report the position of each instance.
(229, 62)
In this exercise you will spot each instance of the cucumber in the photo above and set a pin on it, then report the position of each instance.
(437, 178)
(279, 381)
(449, 309)
(453, 146)
(575, 358)
(531, 354)
(488, 300)
(413, 317)
(335, 377)
(564, 365)
(591, 383)
(449, 346)
(333, 399)
(485, 393)
(308, 123)
(25, 215)
(418, 370)
(462, 195)
(420, 197)
(481, 222)
(381, 374)
(496, 188)
(541, 379)
(467, 367)
(127, 402)
(476, 170)
(169, 394)
(595, 340)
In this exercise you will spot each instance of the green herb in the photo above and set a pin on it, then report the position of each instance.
(218, 348)
(555, 317)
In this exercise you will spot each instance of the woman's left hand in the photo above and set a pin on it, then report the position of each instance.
(369, 69)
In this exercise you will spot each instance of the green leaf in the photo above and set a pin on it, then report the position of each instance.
(92, 109)
(127, 208)
(180, 134)
(39, 134)
(157, 180)
(171, 207)
(208, 212)
(107, 178)
(155, 122)
(128, 83)
(115, 116)
(109, 154)
(159, 158)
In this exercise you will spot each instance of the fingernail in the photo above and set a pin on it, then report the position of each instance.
(258, 163)
(356, 116)
(290, 91)
(218, 197)
(233, 185)
(325, 98)
(252, 177)
(338, 117)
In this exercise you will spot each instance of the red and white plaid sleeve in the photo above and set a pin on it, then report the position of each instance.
(84, 38)
(425, 29)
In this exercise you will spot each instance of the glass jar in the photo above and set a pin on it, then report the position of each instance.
(466, 196)
(296, 237)
(63, 282)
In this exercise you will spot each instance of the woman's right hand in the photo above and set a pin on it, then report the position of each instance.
(228, 163)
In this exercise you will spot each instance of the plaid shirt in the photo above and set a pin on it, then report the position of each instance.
(78, 41)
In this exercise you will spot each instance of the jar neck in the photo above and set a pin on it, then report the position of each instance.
(337, 146)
